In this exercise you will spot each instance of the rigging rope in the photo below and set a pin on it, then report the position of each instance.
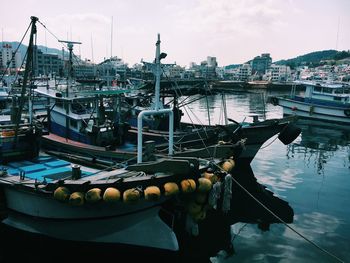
(283, 222)
(14, 53)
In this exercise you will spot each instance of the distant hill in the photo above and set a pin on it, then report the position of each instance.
(315, 58)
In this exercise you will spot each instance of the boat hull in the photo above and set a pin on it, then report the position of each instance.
(142, 229)
(315, 112)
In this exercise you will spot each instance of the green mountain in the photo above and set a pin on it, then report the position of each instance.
(315, 59)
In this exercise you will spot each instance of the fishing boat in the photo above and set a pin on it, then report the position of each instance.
(92, 122)
(325, 101)
(79, 201)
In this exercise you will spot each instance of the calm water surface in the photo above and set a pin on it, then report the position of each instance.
(312, 174)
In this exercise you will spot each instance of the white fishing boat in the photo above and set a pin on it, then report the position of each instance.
(325, 101)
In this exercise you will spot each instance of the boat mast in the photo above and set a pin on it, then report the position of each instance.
(27, 70)
(70, 45)
(157, 86)
(157, 110)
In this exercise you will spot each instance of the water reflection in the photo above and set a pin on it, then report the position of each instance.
(319, 142)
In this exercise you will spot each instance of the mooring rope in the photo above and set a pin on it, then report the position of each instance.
(282, 221)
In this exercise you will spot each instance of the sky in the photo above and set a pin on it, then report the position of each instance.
(233, 31)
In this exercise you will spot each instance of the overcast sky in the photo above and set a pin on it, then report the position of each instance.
(234, 31)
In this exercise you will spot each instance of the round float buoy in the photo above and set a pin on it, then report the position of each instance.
(200, 215)
(61, 194)
(111, 195)
(289, 133)
(228, 165)
(93, 195)
(76, 199)
(193, 207)
(204, 185)
(294, 108)
(188, 185)
(201, 198)
(171, 188)
(209, 174)
(131, 195)
(152, 193)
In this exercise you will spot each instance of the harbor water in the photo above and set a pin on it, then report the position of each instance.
(312, 174)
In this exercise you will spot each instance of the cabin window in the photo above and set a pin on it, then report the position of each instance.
(317, 89)
(337, 98)
(327, 90)
(73, 123)
(59, 104)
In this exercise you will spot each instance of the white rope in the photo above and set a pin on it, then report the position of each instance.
(214, 195)
(282, 221)
(226, 203)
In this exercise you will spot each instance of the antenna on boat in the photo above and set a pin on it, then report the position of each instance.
(156, 110)
(70, 45)
(112, 37)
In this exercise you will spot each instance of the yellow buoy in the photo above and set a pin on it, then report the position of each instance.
(204, 185)
(131, 195)
(201, 198)
(93, 195)
(171, 188)
(152, 193)
(228, 165)
(188, 185)
(199, 216)
(111, 195)
(211, 176)
(61, 194)
(76, 199)
(193, 208)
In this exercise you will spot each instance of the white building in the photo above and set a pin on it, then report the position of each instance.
(244, 72)
(8, 58)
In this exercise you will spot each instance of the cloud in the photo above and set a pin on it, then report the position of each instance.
(225, 17)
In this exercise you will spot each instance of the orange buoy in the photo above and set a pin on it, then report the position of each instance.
(111, 195)
(152, 193)
(204, 185)
(201, 215)
(193, 207)
(228, 165)
(171, 188)
(201, 198)
(93, 195)
(188, 185)
(131, 195)
(211, 176)
(76, 199)
(61, 194)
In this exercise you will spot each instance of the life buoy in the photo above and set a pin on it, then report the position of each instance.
(347, 112)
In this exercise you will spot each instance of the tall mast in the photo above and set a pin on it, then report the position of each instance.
(112, 37)
(28, 69)
(70, 45)
(157, 86)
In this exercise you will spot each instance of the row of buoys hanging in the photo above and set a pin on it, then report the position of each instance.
(197, 203)
(132, 195)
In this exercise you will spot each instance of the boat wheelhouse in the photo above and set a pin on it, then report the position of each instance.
(327, 101)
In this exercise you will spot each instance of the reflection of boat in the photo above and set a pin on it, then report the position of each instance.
(321, 101)
(320, 140)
